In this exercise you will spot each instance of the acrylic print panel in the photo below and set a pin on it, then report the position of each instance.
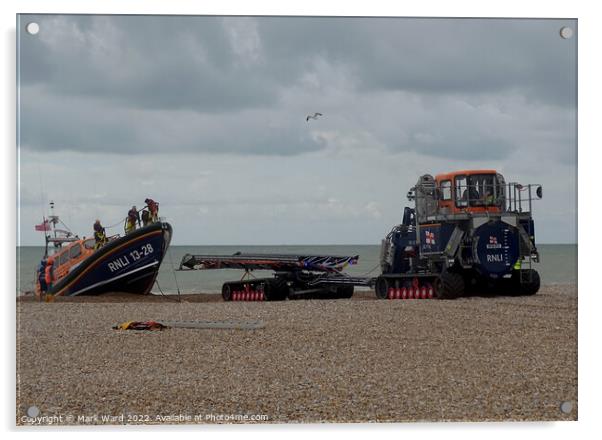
(155, 149)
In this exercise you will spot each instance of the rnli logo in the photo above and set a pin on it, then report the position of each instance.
(430, 237)
(119, 263)
(493, 244)
(495, 258)
(134, 255)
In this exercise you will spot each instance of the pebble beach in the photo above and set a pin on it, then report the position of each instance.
(359, 360)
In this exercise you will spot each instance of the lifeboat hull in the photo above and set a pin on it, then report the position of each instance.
(127, 264)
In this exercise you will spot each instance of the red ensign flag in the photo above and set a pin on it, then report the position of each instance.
(43, 226)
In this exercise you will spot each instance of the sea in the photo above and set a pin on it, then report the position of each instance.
(558, 265)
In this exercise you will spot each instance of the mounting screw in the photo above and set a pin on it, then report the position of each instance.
(32, 28)
(566, 407)
(33, 411)
(566, 32)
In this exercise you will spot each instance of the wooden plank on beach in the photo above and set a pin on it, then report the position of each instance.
(205, 324)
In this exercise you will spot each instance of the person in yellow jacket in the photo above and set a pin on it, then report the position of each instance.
(99, 235)
(153, 208)
(132, 220)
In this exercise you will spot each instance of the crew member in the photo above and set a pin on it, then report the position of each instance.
(132, 220)
(49, 274)
(99, 235)
(489, 199)
(470, 195)
(42, 276)
(146, 217)
(153, 207)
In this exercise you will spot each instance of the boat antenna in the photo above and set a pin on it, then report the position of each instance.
(46, 237)
(52, 217)
(42, 203)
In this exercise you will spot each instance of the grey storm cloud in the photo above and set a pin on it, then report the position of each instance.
(142, 62)
(437, 55)
(243, 85)
(79, 124)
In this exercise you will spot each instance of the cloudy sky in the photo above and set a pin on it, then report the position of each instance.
(207, 116)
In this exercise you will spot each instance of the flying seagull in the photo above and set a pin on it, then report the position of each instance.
(315, 116)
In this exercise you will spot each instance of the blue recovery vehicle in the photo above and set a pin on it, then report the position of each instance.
(468, 232)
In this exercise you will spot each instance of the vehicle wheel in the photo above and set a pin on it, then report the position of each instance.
(530, 284)
(325, 294)
(227, 292)
(449, 285)
(381, 288)
(344, 292)
(276, 290)
(475, 284)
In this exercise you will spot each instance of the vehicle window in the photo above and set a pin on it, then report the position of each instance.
(488, 193)
(446, 190)
(481, 189)
(476, 188)
(461, 191)
(89, 243)
(501, 188)
(75, 251)
(63, 258)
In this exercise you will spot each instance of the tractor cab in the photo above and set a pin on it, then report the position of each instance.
(470, 191)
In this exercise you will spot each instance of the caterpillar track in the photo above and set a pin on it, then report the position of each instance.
(295, 276)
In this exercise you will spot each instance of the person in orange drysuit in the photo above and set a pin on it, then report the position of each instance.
(49, 276)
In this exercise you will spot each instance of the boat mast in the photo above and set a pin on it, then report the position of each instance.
(46, 237)
(52, 217)
(51, 222)
(58, 236)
